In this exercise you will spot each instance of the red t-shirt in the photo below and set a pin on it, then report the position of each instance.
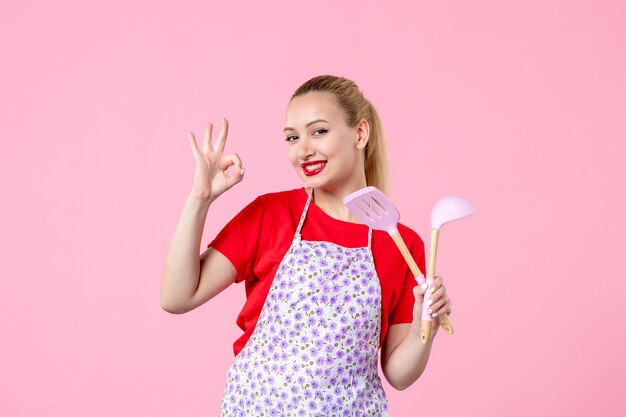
(256, 240)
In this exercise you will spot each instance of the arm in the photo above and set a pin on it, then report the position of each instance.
(190, 279)
(403, 356)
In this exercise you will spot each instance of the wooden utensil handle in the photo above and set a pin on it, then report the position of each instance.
(426, 326)
(407, 255)
(444, 320)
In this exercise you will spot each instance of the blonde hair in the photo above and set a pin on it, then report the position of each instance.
(356, 107)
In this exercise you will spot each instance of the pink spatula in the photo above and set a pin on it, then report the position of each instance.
(374, 209)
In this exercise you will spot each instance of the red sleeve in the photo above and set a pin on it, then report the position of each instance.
(239, 240)
(403, 310)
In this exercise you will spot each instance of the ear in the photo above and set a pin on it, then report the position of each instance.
(363, 133)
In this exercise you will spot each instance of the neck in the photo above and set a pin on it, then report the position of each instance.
(330, 201)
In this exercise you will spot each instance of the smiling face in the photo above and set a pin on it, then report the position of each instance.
(323, 149)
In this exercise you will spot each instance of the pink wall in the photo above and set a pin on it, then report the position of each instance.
(518, 105)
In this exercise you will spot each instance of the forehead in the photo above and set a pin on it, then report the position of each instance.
(312, 106)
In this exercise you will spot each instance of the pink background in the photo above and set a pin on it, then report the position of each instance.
(520, 106)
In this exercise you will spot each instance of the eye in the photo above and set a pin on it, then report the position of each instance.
(291, 138)
(319, 132)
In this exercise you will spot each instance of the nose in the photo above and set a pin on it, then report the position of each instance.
(305, 150)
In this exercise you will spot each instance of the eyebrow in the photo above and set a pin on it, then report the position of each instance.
(307, 125)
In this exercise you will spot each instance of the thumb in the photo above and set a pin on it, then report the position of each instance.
(418, 292)
(419, 303)
(236, 177)
(231, 160)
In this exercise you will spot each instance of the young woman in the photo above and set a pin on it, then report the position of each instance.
(324, 292)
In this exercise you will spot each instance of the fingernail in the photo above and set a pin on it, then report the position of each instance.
(429, 302)
(435, 315)
(242, 171)
(430, 311)
(424, 286)
(432, 289)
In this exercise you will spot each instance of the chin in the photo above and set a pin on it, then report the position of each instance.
(312, 182)
(318, 182)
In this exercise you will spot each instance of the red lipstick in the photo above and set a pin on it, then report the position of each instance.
(313, 167)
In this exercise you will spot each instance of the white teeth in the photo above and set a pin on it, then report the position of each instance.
(314, 166)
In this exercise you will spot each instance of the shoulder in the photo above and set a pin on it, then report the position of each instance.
(279, 203)
(277, 197)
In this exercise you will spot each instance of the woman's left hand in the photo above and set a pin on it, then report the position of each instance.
(439, 303)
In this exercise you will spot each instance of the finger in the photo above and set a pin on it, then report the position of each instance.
(437, 283)
(442, 306)
(437, 297)
(221, 138)
(194, 146)
(208, 140)
(436, 293)
(231, 160)
(446, 309)
(236, 178)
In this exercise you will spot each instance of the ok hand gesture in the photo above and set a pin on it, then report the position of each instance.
(210, 177)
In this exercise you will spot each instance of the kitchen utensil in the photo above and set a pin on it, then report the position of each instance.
(446, 209)
(374, 209)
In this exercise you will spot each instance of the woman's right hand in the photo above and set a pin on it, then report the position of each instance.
(210, 177)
